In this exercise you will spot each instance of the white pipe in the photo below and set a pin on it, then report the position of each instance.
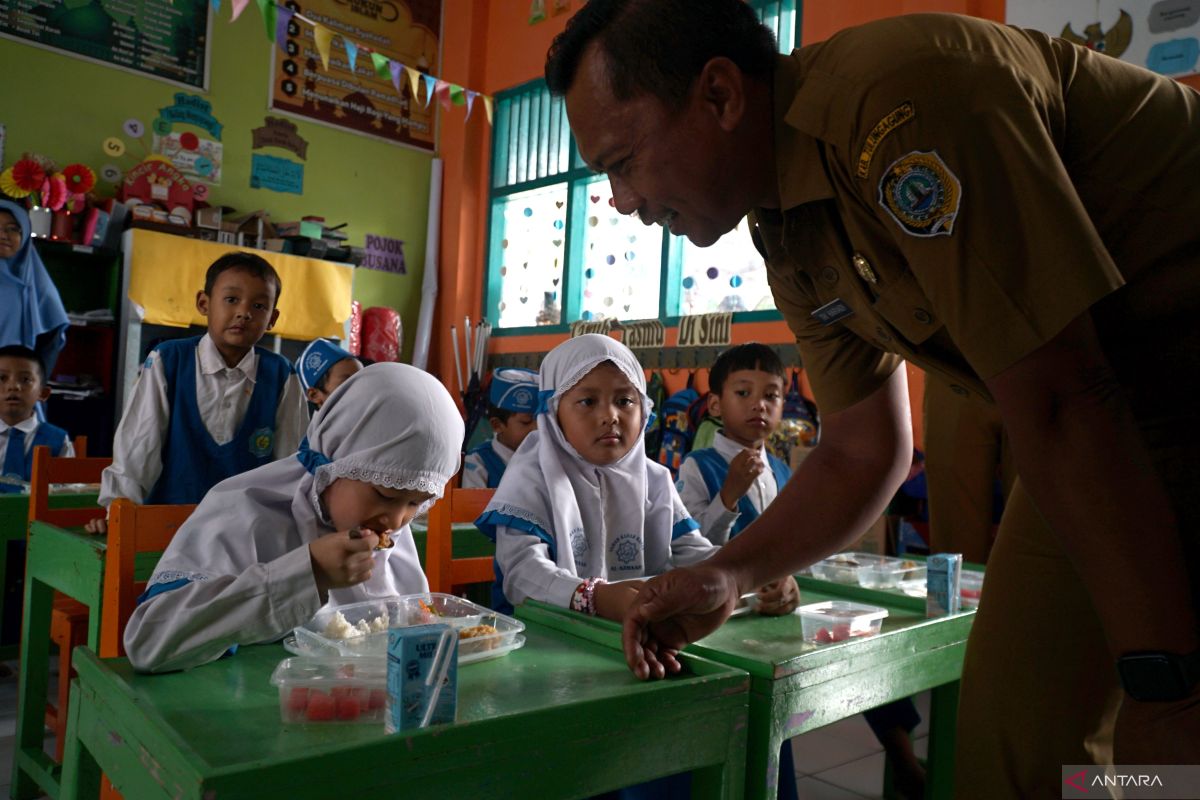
(429, 281)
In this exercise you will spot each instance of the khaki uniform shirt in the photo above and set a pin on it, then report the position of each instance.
(955, 192)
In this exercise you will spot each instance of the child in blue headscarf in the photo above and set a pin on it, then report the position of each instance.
(33, 312)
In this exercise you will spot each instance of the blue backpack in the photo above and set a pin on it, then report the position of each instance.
(677, 430)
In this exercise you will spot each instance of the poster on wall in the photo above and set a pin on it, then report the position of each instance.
(355, 96)
(1161, 35)
(163, 39)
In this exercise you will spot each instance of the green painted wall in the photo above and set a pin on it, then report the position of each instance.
(64, 107)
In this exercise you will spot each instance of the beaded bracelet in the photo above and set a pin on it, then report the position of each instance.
(584, 597)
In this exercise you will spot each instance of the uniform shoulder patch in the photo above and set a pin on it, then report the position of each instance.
(921, 194)
(897, 117)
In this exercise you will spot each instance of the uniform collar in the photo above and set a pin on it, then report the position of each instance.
(728, 448)
(801, 109)
(26, 426)
(211, 361)
(504, 451)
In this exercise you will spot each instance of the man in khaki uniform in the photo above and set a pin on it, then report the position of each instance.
(1010, 211)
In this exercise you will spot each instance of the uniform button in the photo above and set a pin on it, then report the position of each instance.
(922, 316)
(829, 275)
(954, 387)
(883, 335)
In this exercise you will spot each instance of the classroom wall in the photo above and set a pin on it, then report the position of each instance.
(64, 107)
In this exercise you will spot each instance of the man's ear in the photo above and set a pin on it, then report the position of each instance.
(202, 303)
(273, 320)
(722, 89)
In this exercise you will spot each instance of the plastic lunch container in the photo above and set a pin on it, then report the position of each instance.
(838, 620)
(866, 569)
(324, 635)
(331, 689)
(970, 585)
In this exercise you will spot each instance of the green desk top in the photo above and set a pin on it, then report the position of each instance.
(216, 728)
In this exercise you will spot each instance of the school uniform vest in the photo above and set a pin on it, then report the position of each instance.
(45, 435)
(714, 468)
(492, 462)
(192, 461)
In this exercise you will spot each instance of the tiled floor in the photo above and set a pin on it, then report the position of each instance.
(840, 762)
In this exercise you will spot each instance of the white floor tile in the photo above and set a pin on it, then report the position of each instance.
(816, 789)
(863, 777)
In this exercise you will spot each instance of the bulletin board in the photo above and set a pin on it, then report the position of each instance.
(360, 99)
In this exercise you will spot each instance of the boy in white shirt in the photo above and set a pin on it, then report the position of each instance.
(209, 407)
(22, 387)
(512, 406)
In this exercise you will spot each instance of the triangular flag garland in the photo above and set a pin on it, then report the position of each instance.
(276, 18)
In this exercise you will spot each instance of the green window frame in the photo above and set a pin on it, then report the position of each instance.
(532, 148)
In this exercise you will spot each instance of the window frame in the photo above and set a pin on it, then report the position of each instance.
(577, 176)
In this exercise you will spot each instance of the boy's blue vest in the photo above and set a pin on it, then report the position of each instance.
(192, 462)
(46, 435)
(492, 462)
(714, 468)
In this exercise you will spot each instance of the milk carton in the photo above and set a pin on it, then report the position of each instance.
(422, 676)
(942, 581)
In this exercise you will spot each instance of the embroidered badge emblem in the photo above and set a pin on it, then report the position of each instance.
(921, 194)
(897, 117)
(626, 548)
(261, 442)
(579, 545)
(314, 361)
(523, 398)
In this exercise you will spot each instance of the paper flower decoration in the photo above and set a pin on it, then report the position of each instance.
(54, 193)
(79, 177)
(10, 187)
(29, 175)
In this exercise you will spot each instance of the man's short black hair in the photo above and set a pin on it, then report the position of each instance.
(660, 46)
(26, 353)
(502, 414)
(751, 355)
(256, 265)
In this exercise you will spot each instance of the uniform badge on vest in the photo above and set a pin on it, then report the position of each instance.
(261, 442)
(921, 193)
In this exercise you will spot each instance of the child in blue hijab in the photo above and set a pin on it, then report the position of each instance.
(33, 312)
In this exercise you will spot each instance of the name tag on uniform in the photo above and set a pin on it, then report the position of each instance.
(833, 311)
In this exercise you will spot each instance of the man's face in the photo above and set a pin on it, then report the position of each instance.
(668, 167)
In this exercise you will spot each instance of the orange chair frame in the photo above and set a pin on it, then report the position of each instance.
(443, 570)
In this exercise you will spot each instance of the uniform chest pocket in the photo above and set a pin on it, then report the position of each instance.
(903, 305)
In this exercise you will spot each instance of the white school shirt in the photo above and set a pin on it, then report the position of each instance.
(716, 521)
(222, 395)
(475, 473)
(29, 428)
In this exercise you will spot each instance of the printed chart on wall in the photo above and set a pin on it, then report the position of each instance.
(1162, 35)
(357, 97)
(159, 38)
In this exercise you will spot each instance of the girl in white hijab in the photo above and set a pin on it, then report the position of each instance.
(267, 549)
(580, 499)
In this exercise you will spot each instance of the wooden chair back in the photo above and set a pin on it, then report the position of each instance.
(132, 529)
(47, 470)
(443, 570)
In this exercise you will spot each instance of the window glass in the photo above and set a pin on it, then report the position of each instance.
(531, 255)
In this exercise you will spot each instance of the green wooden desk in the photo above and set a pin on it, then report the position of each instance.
(14, 525)
(559, 718)
(797, 687)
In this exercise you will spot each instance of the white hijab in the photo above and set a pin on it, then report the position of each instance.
(390, 425)
(614, 521)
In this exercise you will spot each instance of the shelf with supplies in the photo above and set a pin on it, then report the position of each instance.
(653, 358)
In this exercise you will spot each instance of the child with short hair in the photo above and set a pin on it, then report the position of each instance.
(726, 486)
(212, 406)
(267, 549)
(34, 315)
(324, 366)
(512, 403)
(22, 387)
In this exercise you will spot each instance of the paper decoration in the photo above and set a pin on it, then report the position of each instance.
(430, 86)
(351, 53)
(282, 22)
(644, 334)
(276, 174)
(189, 109)
(193, 156)
(238, 7)
(537, 11)
(380, 62)
(278, 132)
(703, 330)
(270, 12)
(134, 127)
(396, 68)
(323, 37)
(384, 254)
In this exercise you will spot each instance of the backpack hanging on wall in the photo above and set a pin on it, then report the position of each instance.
(676, 427)
(801, 425)
(656, 390)
(704, 424)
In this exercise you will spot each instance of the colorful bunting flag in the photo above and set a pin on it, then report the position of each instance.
(324, 38)
(442, 90)
(270, 13)
(430, 87)
(281, 26)
(487, 106)
(413, 76)
(471, 102)
(238, 7)
(458, 95)
(216, 6)
(381, 64)
(397, 68)
(351, 53)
